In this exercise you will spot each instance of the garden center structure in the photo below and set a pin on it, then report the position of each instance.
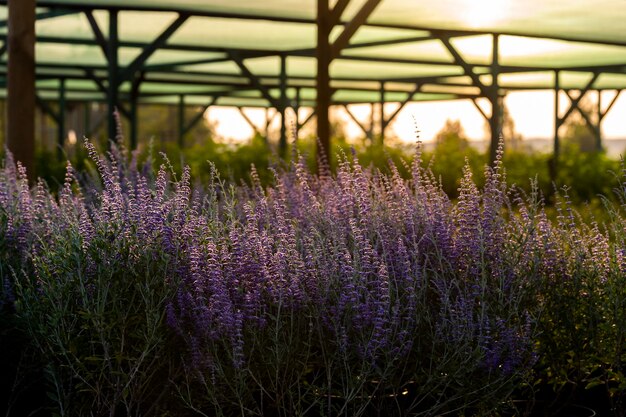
(303, 53)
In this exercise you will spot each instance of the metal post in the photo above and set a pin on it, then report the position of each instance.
(599, 129)
(87, 118)
(61, 121)
(323, 78)
(113, 68)
(133, 122)
(557, 125)
(20, 123)
(495, 122)
(383, 123)
(282, 145)
(370, 132)
(296, 110)
(181, 121)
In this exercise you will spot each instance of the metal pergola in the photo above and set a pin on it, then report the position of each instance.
(286, 54)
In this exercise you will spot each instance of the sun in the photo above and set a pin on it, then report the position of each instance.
(479, 14)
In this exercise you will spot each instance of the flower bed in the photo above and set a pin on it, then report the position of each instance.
(321, 295)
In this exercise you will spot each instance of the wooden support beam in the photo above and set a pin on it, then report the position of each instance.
(383, 124)
(350, 29)
(20, 123)
(557, 125)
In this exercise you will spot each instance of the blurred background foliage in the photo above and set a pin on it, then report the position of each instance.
(586, 171)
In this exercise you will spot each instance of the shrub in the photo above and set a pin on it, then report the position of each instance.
(348, 293)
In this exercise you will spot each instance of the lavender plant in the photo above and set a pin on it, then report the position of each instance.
(357, 293)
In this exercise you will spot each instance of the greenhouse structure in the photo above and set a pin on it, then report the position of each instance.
(291, 54)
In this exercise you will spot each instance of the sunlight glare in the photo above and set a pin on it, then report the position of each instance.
(483, 13)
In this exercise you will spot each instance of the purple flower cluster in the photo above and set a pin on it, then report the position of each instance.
(387, 271)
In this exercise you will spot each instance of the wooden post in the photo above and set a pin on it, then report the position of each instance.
(21, 83)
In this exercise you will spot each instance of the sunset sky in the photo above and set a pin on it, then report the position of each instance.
(532, 112)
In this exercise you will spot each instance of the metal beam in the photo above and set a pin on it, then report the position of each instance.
(275, 18)
(350, 29)
(147, 52)
(613, 68)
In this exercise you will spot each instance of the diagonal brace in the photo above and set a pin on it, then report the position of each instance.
(608, 108)
(97, 32)
(254, 80)
(47, 109)
(576, 101)
(250, 122)
(467, 68)
(89, 73)
(350, 29)
(156, 44)
(199, 116)
(357, 121)
(480, 110)
(401, 106)
(335, 14)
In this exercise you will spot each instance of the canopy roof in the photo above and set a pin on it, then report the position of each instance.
(230, 52)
